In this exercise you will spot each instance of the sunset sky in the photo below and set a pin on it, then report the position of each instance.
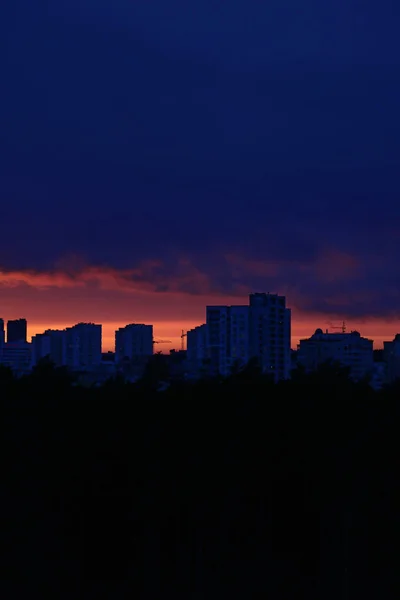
(158, 156)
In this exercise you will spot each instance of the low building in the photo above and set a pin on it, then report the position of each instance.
(378, 376)
(17, 356)
(349, 349)
(96, 375)
(177, 364)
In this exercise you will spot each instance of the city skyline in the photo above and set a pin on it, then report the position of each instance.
(229, 339)
(171, 331)
(195, 197)
(261, 154)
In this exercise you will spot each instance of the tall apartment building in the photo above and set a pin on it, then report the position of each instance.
(83, 345)
(227, 329)
(58, 346)
(134, 341)
(51, 344)
(196, 354)
(349, 349)
(17, 330)
(270, 334)
(16, 352)
(261, 330)
(41, 347)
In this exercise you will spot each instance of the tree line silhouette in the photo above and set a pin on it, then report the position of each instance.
(233, 487)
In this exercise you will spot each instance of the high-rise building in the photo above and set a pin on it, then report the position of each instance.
(196, 354)
(83, 345)
(17, 330)
(349, 349)
(51, 344)
(16, 353)
(270, 334)
(134, 341)
(227, 337)
(58, 346)
(41, 347)
(261, 330)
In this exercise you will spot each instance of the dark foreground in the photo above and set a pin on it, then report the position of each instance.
(234, 490)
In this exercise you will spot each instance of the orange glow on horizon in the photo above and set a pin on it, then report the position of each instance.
(170, 331)
(55, 300)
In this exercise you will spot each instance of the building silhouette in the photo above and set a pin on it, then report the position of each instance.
(41, 347)
(58, 346)
(17, 356)
(83, 345)
(134, 341)
(233, 335)
(17, 331)
(227, 341)
(270, 334)
(349, 349)
(196, 353)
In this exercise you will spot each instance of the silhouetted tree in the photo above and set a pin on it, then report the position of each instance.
(234, 488)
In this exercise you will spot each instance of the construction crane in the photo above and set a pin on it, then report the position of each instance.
(162, 342)
(342, 327)
(183, 335)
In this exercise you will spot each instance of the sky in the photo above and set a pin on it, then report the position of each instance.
(156, 157)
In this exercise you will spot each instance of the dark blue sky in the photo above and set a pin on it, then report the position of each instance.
(225, 133)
